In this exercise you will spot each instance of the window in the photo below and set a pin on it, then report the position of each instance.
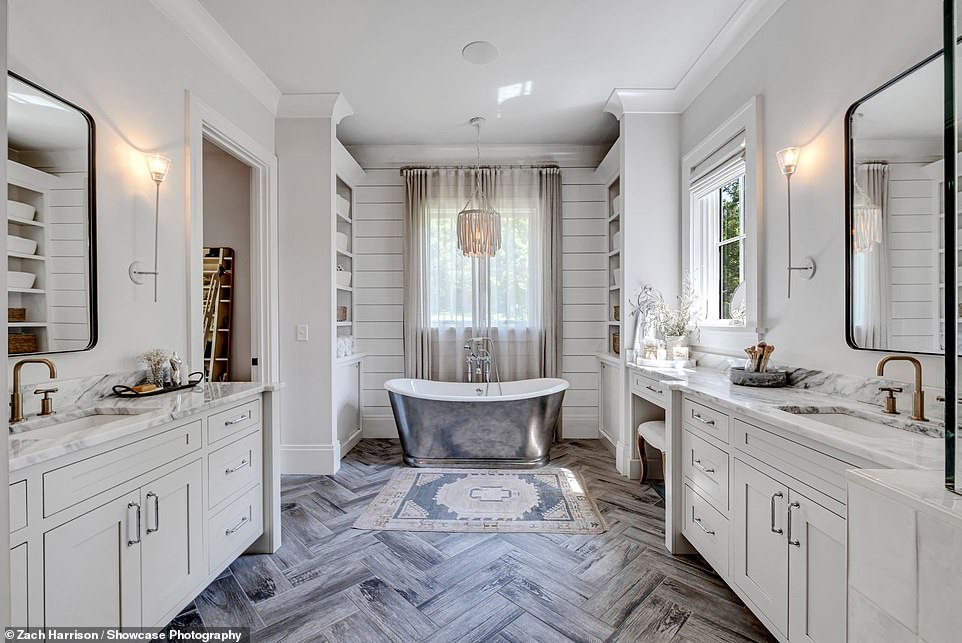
(720, 198)
(717, 229)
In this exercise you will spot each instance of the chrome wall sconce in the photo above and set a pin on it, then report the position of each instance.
(158, 167)
(788, 163)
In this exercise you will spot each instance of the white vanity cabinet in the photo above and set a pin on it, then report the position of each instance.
(125, 534)
(610, 390)
(347, 402)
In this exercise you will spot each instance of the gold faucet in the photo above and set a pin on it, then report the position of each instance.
(16, 399)
(918, 397)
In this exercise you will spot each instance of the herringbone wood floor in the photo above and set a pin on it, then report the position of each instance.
(329, 582)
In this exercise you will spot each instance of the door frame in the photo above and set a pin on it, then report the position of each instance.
(203, 122)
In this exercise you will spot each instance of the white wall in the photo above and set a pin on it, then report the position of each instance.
(810, 62)
(379, 277)
(125, 63)
(227, 223)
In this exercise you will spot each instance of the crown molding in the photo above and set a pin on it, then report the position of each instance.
(331, 105)
(747, 20)
(393, 156)
(210, 37)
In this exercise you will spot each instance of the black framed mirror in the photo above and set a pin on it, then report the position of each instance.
(51, 222)
(894, 215)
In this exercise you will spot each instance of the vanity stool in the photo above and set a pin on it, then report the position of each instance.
(653, 433)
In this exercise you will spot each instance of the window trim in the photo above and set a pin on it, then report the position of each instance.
(722, 336)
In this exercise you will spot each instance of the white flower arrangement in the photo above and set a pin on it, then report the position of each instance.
(156, 359)
(680, 321)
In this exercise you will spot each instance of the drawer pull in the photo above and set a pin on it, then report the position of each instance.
(703, 527)
(238, 419)
(243, 521)
(130, 541)
(243, 463)
(703, 467)
(156, 498)
(653, 390)
(794, 543)
(777, 494)
(702, 420)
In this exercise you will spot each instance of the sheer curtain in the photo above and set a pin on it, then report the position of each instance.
(870, 263)
(511, 297)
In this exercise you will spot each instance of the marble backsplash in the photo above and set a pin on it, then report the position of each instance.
(80, 391)
(851, 387)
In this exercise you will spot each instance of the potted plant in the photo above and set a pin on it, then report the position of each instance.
(675, 325)
(155, 359)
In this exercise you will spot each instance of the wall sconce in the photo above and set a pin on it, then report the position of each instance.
(158, 167)
(788, 163)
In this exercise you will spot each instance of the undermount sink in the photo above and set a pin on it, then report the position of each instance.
(90, 421)
(851, 423)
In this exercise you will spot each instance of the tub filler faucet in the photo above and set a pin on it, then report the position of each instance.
(479, 360)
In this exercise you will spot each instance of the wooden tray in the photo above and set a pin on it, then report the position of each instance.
(125, 391)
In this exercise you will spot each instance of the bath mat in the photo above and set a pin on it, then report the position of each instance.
(548, 500)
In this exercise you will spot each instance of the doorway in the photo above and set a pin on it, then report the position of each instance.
(227, 265)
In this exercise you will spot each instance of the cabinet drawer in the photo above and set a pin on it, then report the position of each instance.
(650, 389)
(18, 505)
(705, 419)
(707, 530)
(234, 528)
(233, 468)
(75, 482)
(232, 421)
(706, 466)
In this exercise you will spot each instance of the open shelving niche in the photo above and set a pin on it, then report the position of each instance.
(615, 275)
(28, 185)
(344, 257)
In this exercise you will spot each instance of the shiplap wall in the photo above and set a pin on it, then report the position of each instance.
(379, 281)
(914, 275)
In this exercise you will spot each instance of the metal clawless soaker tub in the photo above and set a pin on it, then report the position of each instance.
(479, 425)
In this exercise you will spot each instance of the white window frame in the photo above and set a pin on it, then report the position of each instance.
(721, 336)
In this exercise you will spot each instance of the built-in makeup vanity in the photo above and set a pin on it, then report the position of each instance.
(124, 510)
(756, 483)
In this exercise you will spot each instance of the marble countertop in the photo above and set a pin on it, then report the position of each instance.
(911, 445)
(924, 490)
(133, 416)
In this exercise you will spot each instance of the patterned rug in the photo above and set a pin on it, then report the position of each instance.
(548, 500)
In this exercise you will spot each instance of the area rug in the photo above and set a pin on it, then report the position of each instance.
(549, 500)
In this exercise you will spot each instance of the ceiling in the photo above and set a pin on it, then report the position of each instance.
(399, 64)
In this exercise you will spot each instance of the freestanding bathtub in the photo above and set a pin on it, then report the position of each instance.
(476, 425)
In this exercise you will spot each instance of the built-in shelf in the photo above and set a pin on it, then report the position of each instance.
(344, 324)
(28, 291)
(30, 222)
(614, 288)
(613, 322)
(347, 220)
(614, 217)
(614, 253)
(345, 253)
(20, 255)
(346, 288)
(26, 324)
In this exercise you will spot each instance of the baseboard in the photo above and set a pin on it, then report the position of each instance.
(351, 442)
(311, 459)
(379, 426)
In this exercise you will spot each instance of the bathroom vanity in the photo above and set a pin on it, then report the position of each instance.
(122, 512)
(756, 483)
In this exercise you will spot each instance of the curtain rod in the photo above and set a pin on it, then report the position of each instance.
(543, 166)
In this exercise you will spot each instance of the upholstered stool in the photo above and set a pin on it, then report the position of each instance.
(653, 433)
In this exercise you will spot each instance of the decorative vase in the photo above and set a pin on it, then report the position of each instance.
(677, 347)
(155, 373)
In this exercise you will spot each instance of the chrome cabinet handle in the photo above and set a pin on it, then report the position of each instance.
(777, 494)
(156, 498)
(702, 420)
(653, 390)
(242, 522)
(239, 418)
(703, 527)
(130, 505)
(794, 543)
(230, 470)
(702, 467)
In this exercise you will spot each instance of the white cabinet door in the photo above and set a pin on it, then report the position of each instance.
(172, 548)
(760, 557)
(816, 578)
(19, 597)
(92, 567)
(347, 401)
(610, 399)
